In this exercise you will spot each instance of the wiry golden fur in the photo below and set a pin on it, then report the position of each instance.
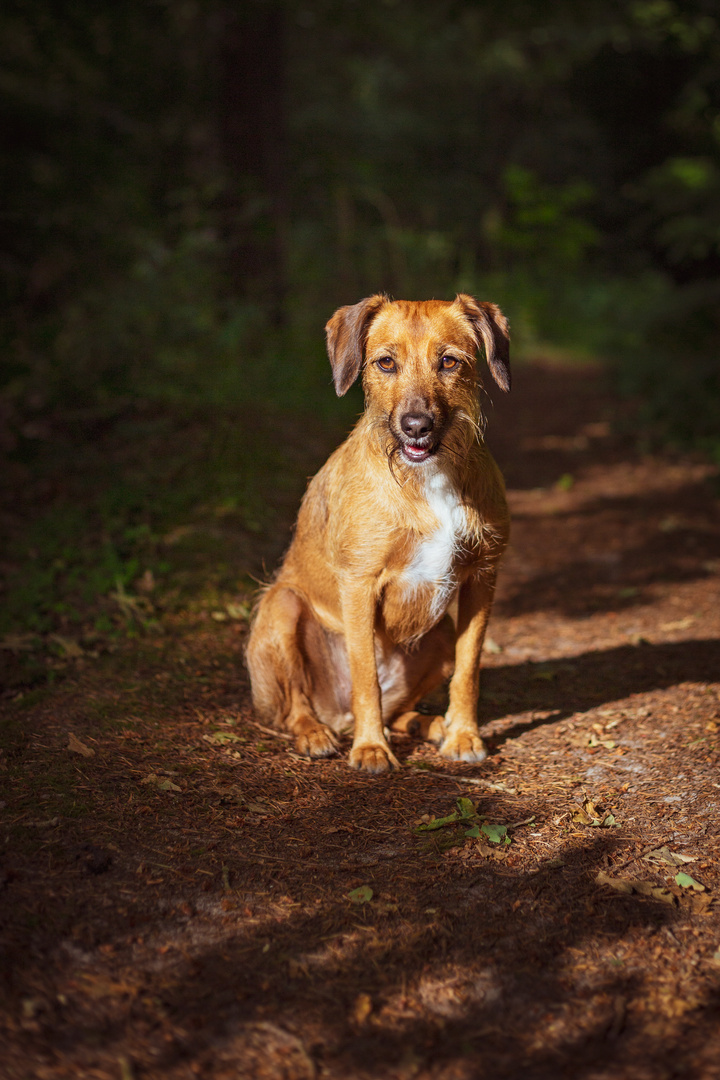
(387, 587)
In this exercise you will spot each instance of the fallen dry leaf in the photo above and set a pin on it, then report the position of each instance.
(79, 747)
(19, 642)
(678, 624)
(167, 785)
(491, 851)
(69, 647)
(160, 783)
(594, 741)
(588, 814)
(700, 903)
(492, 785)
(670, 858)
(623, 885)
(655, 892)
(634, 885)
(263, 808)
(48, 824)
(362, 1007)
(146, 583)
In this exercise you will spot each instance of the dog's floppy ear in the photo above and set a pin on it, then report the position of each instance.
(490, 326)
(346, 337)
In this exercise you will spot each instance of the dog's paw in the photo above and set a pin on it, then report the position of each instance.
(314, 740)
(463, 746)
(435, 729)
(421, 726)
(408, 723)
(373, 758)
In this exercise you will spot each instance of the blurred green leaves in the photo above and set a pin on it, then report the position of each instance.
(561, 160)
(543, 222)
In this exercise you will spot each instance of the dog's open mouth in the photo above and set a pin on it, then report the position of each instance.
(416, 453)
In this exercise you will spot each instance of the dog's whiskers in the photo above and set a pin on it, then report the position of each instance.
(476, 423)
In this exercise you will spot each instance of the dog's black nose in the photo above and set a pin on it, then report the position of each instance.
(416, 425)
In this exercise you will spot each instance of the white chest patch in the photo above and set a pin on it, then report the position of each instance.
(433, 562)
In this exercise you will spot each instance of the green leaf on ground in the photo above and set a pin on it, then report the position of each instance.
(221, 738)
(465, 812)
(438, 822)
(361, 895)
(685, 881)
(496, 834)
(238, 611)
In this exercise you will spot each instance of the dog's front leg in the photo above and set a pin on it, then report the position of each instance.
(461, 740)
(370, 749)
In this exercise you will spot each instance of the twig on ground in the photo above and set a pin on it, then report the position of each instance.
(269, 731)
(476, 781)
(641, 854)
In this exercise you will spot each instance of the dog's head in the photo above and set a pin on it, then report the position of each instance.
(418, 361)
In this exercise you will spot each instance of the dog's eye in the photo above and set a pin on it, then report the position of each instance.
(448, 363)
(386, 363)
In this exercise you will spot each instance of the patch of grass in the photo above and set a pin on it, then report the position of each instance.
(12, 733)
(163, 511)
(30, 698)
(74, 808)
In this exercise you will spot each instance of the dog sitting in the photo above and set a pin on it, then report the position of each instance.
(386, 589)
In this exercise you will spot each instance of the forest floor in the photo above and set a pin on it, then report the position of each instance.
(182, 896)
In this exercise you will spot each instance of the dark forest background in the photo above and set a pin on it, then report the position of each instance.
(190, 187)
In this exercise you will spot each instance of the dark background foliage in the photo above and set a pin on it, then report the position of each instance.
(191, 187)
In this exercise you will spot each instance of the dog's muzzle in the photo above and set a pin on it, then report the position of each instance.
(418, 436)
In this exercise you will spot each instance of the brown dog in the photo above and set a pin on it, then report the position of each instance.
(404, 524)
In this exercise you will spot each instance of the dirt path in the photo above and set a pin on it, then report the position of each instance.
(183, 897)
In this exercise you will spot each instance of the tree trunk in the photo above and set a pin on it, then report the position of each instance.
(251, 103)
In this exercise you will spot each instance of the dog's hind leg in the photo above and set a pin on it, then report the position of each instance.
(282, 672)
(423, 670)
